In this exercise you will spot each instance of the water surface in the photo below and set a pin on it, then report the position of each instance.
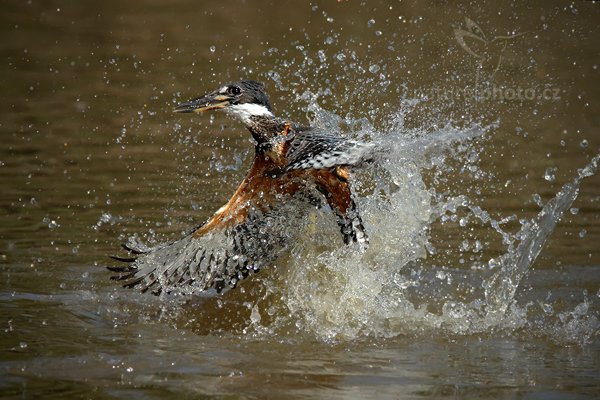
(483, 275)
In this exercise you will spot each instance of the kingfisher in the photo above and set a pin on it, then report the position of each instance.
(293, 165)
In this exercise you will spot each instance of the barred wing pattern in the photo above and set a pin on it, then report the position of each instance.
(230, 251)
(312, 148)
(217, 260)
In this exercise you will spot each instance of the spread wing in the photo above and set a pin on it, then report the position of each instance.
(216, 260)
(312, 148)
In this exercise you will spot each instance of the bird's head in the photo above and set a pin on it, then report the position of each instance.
(243, 99)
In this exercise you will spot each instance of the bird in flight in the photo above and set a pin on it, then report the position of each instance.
(293, 166)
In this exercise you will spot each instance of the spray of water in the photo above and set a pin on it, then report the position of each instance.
(335, 292)
(394, 288)
(343, 293)
(515, 263)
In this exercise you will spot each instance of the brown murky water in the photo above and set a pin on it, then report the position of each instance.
(487, 111)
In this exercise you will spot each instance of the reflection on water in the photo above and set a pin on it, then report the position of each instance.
(482, 278)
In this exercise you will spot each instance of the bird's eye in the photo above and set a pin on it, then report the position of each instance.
(235, 90)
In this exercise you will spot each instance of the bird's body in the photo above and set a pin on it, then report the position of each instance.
(293, 166)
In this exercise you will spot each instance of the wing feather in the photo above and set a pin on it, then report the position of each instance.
(216, 260)
(312, 148)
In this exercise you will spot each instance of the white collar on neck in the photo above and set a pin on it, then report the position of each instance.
(245, 111)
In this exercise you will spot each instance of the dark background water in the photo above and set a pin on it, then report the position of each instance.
(92, 153)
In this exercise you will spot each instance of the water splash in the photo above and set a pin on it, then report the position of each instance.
(500, 289)
(340, 293)
(396, 287)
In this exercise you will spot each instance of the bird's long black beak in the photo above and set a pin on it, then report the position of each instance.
(212, 101)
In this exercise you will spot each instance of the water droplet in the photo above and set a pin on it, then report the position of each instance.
(53, 224)
(574, 210)
(23, 345)
(547, 308)
(105, 217)
(584, 143)
(370, 23)
(212, 49)
(430, 248)
(550, 175)
(255, 315)
(321, 55)
(582, 233)
(374, 68)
